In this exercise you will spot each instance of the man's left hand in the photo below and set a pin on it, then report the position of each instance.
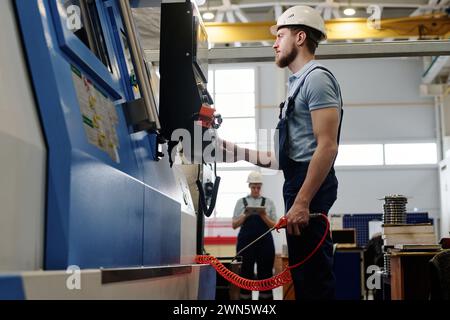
(297, 218)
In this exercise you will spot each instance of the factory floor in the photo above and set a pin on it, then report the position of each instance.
(277, 294)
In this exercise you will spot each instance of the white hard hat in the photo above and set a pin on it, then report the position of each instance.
(254, 177)
(301, 15)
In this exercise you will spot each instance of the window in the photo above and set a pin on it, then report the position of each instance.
(233, 186)
(360, 155)
(234, 95)
(410, 153)
(387, 154)
(233, 91)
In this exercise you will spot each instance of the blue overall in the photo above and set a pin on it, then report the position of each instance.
(315, 279)
(262, 252)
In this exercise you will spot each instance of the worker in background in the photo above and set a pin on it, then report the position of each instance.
(374, 255)
(255, 215)
(306, 148)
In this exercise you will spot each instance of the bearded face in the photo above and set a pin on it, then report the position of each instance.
(285, 47)
(285, 57)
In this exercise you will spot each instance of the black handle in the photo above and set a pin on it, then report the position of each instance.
(205, 209)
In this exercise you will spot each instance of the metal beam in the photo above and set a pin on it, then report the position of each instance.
(425, 27)
(330, 51)
(241, 16)
(278, 10)
(432, 4)
(435, 68)
(321, 5)
(220, 15)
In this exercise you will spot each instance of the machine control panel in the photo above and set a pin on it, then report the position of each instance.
(98, 114)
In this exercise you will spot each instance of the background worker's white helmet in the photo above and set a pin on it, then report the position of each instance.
(254, 177)
(301, 15)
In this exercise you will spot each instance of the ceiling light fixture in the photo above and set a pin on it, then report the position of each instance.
(208, 15)
(349, 11)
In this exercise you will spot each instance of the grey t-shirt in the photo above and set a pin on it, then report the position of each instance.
(319, 90)
(255, 202)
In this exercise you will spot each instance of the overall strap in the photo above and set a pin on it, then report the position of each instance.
(263, 202)
(244, 200)
(291, 99)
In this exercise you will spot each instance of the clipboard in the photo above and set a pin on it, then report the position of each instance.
(255, 210)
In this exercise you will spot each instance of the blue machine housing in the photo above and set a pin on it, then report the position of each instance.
(100, 213)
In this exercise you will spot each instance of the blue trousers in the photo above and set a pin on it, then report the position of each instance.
(313, 280)
(263, 254)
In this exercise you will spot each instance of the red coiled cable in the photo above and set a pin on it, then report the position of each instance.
(260, 285)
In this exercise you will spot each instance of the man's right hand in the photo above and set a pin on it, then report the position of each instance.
(297, 218)
(228, 150)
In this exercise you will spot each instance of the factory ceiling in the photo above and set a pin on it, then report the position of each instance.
(245, 22)
(258, 10)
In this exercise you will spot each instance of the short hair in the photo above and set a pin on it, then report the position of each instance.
(313, 36)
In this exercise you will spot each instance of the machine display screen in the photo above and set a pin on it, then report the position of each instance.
(201, 47)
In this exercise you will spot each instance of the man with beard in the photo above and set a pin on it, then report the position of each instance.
(306, 148)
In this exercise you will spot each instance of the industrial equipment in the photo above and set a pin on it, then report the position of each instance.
(186, 111)
(92, 191)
